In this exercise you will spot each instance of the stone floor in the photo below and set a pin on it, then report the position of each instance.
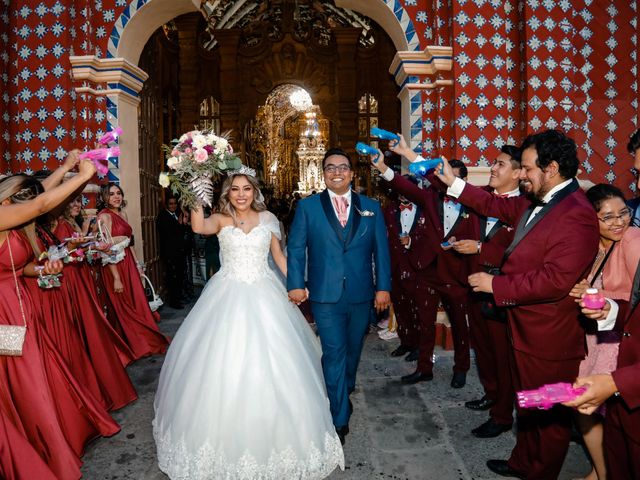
(397, 431)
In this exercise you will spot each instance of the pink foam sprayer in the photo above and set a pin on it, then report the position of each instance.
(111, 136)
(100, 157)
(547, 396)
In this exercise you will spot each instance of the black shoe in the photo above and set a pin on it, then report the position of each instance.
(459, 379)
(416, 377)
(342, 433)
(413, 356)
(401, 350)
(483, 403)
(502, 468)
(490, 429)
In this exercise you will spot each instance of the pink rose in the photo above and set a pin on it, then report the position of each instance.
(175, 153)
(187, 151)
(201, 155)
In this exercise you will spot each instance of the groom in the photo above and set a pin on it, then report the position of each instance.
(339, 238)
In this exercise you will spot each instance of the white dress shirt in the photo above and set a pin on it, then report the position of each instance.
(491, 221)
(407, 217)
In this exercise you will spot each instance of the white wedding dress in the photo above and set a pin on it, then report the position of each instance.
(241, 393)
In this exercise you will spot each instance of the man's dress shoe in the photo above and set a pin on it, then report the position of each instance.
(401, 350)
(416, 377)
(490, 429)
(483, 403)
(413, 356)
(459, 380)
(502, 468)
(342, 433)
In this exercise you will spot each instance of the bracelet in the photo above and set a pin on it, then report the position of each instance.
(479, 246)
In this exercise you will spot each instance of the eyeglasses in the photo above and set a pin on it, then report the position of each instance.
(611, 219)
(344, 168)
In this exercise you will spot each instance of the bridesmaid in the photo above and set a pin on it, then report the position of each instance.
(38, 393)
(129, 309)
(107, 351)
(53, 308)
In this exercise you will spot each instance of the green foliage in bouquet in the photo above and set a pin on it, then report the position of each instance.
(194, 162)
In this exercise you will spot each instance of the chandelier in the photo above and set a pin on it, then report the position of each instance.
(300, 100)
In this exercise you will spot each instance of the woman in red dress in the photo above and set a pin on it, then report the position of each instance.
(107, 351)
(53, 309)
(128, 306)
(38, 393)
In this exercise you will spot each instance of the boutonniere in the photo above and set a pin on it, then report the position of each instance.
(509, 228)
(421, 220)
(364, 213)
(464, 215)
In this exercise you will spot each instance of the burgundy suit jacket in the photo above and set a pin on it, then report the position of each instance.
(627, 374)
(547, 259)
(494, 243)
(452, 268)
(415, 258)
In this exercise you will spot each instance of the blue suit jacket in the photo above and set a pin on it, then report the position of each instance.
(338, 259)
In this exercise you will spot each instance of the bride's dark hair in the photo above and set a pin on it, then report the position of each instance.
(224, 204)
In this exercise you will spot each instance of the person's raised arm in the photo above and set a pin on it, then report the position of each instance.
(58, 174)
(204, 226)
(16, 214)
(402, 148)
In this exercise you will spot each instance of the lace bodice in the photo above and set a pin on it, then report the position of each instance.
(244, 256)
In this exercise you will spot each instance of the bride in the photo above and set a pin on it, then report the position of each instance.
(241, 393)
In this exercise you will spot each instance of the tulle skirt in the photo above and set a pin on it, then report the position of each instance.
(241, 393)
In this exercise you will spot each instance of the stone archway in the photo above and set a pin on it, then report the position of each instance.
(124, 79)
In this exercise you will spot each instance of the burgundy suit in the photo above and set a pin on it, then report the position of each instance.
(489, 337)
(448, 270)
(622, 422)
(409, 280)
(548, 256)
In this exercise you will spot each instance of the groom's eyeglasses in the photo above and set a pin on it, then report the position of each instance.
(344, 168)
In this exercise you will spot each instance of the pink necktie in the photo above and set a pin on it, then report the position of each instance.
(341, 208)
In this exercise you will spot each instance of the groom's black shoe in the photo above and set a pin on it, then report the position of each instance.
(416, 377)
(342, 433)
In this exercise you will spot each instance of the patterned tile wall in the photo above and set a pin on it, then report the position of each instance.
(520, 66)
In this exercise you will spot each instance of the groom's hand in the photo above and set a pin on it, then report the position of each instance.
(382, 301)
(298, 295)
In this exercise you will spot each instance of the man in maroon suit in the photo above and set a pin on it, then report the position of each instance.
(621, 388)
(448, 270)
(408, 229)
(488, 325)
(555, 242)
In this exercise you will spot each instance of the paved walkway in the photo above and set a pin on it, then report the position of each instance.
(418, 432)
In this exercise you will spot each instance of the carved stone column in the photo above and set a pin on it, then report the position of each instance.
(189, 99)
(230, 84)
(347, 118)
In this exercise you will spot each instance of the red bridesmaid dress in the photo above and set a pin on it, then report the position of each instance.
(53, 310)
(38, 393)
(130, 310)
(18, 459)
(107, 350)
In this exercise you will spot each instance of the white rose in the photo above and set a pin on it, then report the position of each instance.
(173, 162)
(222, 144)
(211, 139)
(183, 138)
(199, 141)
(163, 180)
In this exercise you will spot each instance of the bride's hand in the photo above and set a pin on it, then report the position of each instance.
(298, 295)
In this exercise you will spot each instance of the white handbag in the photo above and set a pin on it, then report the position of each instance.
(155, 302)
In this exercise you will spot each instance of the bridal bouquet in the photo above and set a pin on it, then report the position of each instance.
(195, 160)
